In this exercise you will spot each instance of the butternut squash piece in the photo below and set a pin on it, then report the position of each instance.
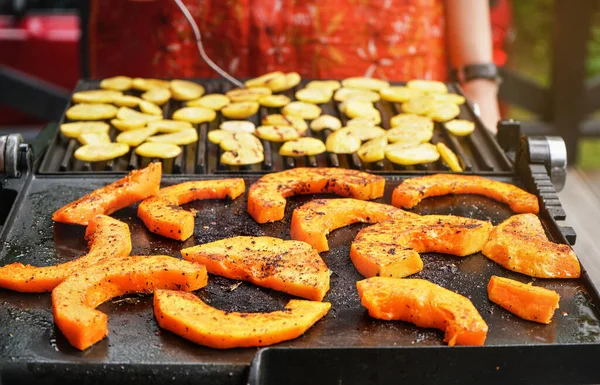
(137, 185)
(290, 266)
(413, 190)
(520, 244)
(107, 239)
(424, 304)
(162, 215)
(391, 248)
(266, 197)
(312, 222)
(187, 316)
(526, 301)
(75, 299)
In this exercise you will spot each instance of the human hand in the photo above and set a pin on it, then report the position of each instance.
(484, 93)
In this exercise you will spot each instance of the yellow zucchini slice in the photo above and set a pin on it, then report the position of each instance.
(195, 115)
(302, 110)
(73, 130)
(181, 138)
(302, 147)
(342, 142)
(158, 150)
(277, 133)
(186, 90)
(100, 152)
(86, 111)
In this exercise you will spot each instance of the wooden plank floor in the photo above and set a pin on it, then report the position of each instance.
(581, 200)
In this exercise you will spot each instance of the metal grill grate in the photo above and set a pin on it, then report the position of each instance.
(478, 153)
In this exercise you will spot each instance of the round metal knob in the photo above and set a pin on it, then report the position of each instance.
(552, 153)
(9, 154)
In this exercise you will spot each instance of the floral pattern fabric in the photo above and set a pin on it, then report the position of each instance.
(390, 39)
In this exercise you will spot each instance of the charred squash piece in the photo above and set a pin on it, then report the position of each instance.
(391, 248)
(162, 215)
(313, 221)
(526, 301)
(293, 267)
(75, 299)
(266, 197)
(107, 238)
(424, 304)
(187, 316)
(411, 191)
(138, 185)
(520, 244)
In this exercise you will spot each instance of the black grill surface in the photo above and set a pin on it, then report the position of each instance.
(478, 153)
(32, 347)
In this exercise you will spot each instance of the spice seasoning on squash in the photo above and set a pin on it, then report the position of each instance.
(526, 301)
(520, 244)
(293, 267)
(162, 215)
(107, 238)
(424, 304)
(313, 221)
(75, 299)
(266, 197)
(413, 190)
(391, 248)
(136, 186)
(187, 316)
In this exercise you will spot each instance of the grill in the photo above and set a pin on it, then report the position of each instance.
(345, 347)
(478, 153)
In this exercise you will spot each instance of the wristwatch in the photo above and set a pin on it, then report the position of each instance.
(470, 72)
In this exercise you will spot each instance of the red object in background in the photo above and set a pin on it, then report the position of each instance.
(501, 20)
(43, 46)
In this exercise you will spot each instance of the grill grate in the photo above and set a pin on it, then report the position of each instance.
(478, 153)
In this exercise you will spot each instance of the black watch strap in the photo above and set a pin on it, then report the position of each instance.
(469, 72)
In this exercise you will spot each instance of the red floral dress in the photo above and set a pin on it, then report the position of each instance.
(390, 39)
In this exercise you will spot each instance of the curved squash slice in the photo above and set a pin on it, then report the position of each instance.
(107, 238)
(75, 299)
(424, 304)
(313, 221)
(187, 316)
(526, 301)
(162, 215)
(390, 249)
(412, 191)
(266, 197)
(138, 185)
(290, 266)
(520, 244)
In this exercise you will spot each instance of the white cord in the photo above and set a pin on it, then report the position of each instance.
(203, 54)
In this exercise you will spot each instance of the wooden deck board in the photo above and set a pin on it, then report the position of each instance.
(581, 201)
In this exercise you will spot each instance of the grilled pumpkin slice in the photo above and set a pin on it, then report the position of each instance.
(266, 197)
(424, 304)
(526, 301)
(107, 238)
(412, 191)
(313, 221)
(520, 244)
(391, 248)
(162, 215)
(75, 299)
(189, 317)
(292, 267)
(136, 186)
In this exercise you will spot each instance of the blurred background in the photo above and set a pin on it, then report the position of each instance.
(549, 51)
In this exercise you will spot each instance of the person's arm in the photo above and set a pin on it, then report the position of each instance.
(470, 42)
